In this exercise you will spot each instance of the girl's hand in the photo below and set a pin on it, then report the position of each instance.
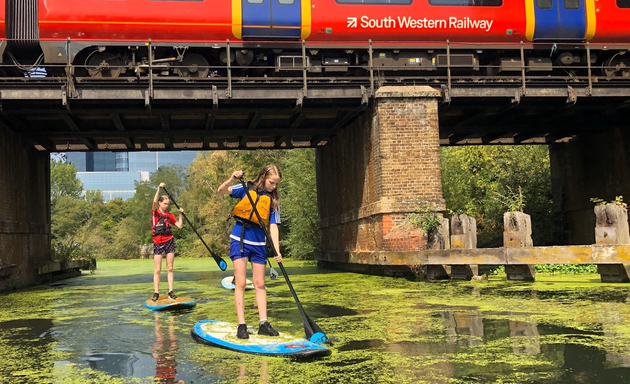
(237, 174)
(181, 210)
(162, 185)
(278, 258)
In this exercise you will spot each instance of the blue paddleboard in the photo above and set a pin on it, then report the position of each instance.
(228, 283)
(165, 303)
(223, 335)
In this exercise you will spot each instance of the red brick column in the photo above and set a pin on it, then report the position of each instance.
(379, 169)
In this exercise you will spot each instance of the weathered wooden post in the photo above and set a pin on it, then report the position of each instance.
(440, 239)
(611, 228)
(464, 236)
(517, 233)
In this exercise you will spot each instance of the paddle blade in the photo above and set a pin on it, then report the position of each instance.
(273, 274)
(318, 338)
(222, 264)
(313, 332)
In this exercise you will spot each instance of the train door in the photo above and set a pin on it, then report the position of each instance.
(560, 19)
(271, 18)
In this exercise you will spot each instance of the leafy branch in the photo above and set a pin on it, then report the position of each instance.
(514, 201)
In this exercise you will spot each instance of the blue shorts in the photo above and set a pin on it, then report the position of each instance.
(254, 253)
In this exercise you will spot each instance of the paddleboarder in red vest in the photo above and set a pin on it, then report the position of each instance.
(163, 241)
(248, 240)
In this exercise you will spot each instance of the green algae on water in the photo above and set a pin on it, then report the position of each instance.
(93, 329)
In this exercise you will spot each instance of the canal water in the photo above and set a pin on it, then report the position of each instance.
(94, 329)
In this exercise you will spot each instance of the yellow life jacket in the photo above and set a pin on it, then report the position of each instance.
(244, 212)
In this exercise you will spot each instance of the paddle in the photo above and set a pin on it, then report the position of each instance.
(220, 262)
(313, 332)
(272, 272)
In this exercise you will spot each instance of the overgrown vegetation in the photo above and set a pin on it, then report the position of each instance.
(68, 249)
(513, 201)
(426, 218)
(618, 201)
(473, 176)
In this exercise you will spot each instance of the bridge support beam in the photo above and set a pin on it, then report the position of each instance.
(25, 208)
(376, 171)
(593, 166)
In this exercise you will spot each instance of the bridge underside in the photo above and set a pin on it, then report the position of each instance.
(130, 118)
(378, 150)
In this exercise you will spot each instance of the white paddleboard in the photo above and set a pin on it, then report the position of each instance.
(228, 283)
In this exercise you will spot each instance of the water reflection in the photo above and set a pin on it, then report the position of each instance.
(164, 351)
(263, 374)
(464, 324)
(525, 338)
(612, 324)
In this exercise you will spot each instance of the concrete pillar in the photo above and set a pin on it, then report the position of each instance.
(376, 171)
(612, 229)
(590, 166)
(517, 233)
(25, 208)
(464, 236)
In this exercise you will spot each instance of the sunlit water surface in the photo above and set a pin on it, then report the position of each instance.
(94, 329)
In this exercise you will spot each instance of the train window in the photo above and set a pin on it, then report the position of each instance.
(286, 2)
(255, 1)
(398, 2)
(623, 3)
(572, 4)
(469, 3)
(543, 4)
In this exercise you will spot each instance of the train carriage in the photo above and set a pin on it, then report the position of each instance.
(109, 37)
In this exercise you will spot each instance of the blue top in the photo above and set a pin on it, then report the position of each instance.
(253, 235)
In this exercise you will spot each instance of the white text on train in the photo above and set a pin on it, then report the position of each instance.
(407, 22)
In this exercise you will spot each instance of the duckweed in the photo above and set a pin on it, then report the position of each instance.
(93, 329)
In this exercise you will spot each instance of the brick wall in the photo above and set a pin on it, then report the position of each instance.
(379, 169)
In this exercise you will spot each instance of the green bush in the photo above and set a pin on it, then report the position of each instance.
(69, 249)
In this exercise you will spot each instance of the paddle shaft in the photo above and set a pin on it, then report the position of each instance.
(309, 326)
(220, 262)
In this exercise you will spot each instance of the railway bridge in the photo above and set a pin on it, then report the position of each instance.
(377, 140)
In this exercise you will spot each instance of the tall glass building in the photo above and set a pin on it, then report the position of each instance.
(115, 173)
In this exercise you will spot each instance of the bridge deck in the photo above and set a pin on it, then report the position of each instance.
(131, 117)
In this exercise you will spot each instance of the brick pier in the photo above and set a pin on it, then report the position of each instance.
(382, 167)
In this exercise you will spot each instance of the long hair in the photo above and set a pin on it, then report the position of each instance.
(259, 183)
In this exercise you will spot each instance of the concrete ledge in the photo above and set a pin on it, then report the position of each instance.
(6, 270)
(56, 266)
(572, 254)
(407, 91)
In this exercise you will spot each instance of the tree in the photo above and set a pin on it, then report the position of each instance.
(299, 203)
(473, 176)
(63, 181)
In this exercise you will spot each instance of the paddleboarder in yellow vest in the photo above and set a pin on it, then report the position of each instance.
(163, 241)
(248, 240)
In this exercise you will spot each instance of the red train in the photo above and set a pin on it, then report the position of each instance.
(111, 36)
